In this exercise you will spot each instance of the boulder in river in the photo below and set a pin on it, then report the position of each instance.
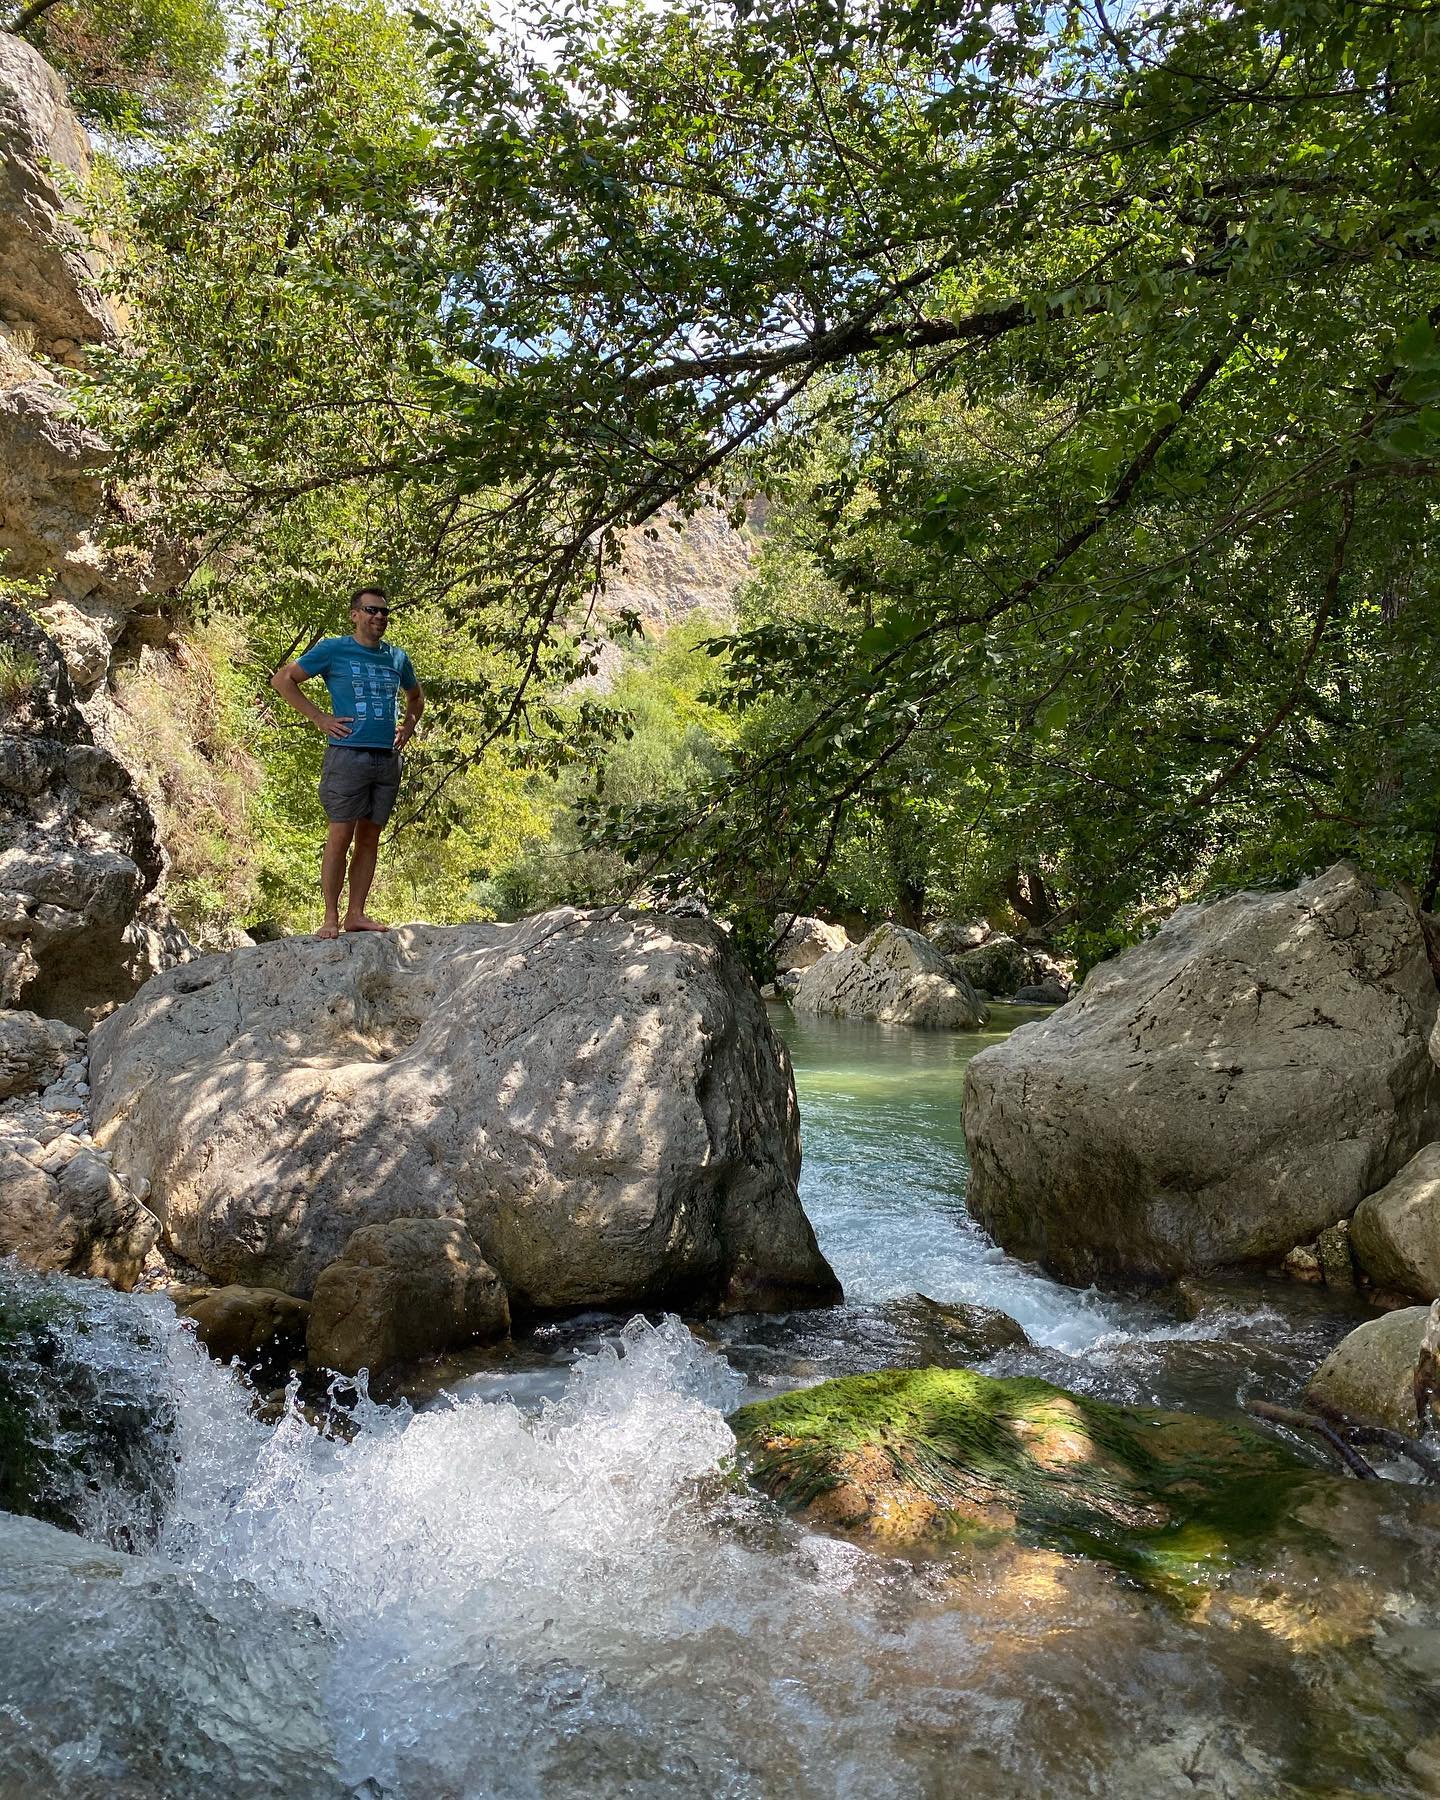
(930, 1456)
(249, 1325)
(896, 977)
(805, 941)
(1395, 1233)
(1215, 1095)
(1000, 965)
(402, 1290)
(1370, 1375)
(81, 1218)
(598, 1098)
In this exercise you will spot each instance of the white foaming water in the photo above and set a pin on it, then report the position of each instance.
(562, 1602)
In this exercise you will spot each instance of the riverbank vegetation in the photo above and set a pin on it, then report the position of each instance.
(1087, 360)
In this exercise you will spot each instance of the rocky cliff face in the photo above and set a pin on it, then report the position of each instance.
(78, 846)
(55, 505)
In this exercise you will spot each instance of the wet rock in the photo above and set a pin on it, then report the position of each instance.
(406, 1289)
(974, 1330)
(248, 1324)
(1332, 1251)
(929, 1456)
(1370, 1375)
(599, 1098)
(85, 1411)
(1000, 965)
(806, 941)
(896, 977)
(1303, 1264)
(1215, 1095)
(1395, 1233)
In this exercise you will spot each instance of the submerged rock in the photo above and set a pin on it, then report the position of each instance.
(598, 1097)
(896, 977)
(934, 1455)
(406, 1289)
(85, 1408)
(976, 1330)
(1395, 1233)
(1370, 1375)
(1215, 1095)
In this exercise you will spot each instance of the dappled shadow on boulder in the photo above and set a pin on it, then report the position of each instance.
(599, 1098)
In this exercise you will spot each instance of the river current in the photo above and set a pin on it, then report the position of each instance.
(537, 1574)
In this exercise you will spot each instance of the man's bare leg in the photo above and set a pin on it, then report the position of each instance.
(332, 873)
(362, 873)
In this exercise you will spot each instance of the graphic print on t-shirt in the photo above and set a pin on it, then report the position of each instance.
(363, 685)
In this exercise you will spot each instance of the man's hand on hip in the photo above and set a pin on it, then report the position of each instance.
(333, 727)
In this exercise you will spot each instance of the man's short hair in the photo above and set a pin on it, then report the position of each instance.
(369, 588)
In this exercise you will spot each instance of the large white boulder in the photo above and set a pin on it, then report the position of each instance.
(1395, 1233)
(1215, 1095)
(895, 976)
(598, 1097)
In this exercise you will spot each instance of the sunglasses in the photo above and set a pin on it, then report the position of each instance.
(382, 612)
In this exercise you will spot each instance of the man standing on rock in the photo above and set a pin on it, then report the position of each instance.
(361, 773)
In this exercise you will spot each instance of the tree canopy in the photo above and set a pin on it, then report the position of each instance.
(132, 65)
(1088, 357)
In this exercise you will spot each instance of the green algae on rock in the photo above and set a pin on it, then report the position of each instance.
(911, 1456)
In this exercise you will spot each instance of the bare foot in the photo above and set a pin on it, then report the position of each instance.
(365, 923)
(327, 930)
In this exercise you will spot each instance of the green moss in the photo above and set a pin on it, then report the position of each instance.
(917, 1455)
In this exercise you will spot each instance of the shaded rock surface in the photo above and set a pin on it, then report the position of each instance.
(402, 1290)
(1395, 1233)
(249, 1324)
(935, 1455)
(33, 1051)
(598, 1098)
(970, 1329)
(1000, 965)
(896, 977)
(805, 941)
(1370, 1375)
(78, 848)
(1215, 1095)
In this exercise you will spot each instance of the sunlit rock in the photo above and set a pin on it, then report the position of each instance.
(805, 941)
(599, 1098)
(937, 1455)
(896, 977)
(1370, 1375)
(1395, 1233)
(1215, 1095)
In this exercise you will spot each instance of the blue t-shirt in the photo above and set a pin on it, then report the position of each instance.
(362, 685)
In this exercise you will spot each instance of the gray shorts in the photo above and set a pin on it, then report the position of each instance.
(358, 784)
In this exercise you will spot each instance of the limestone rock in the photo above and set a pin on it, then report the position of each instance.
(1370, 1375)
(895, 976)
(249, 1324)
(1042, 993)
(406, 1289)
(1000, 965)
(78, 847)
(1332, 1251)
(953, 936)
(83, 1219)
(599, 1097)
(1215, 1095)
(805, 942)
(33, 1050)
(48, 277)
(1395, 1233)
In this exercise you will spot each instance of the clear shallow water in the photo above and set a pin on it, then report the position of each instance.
(565, 1592)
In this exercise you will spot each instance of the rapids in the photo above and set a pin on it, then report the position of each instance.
(544, 1579)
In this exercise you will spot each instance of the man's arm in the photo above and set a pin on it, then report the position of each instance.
(286, 683)
(414, 706)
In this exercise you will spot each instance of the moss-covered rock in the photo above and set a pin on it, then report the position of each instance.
(915, 1456)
